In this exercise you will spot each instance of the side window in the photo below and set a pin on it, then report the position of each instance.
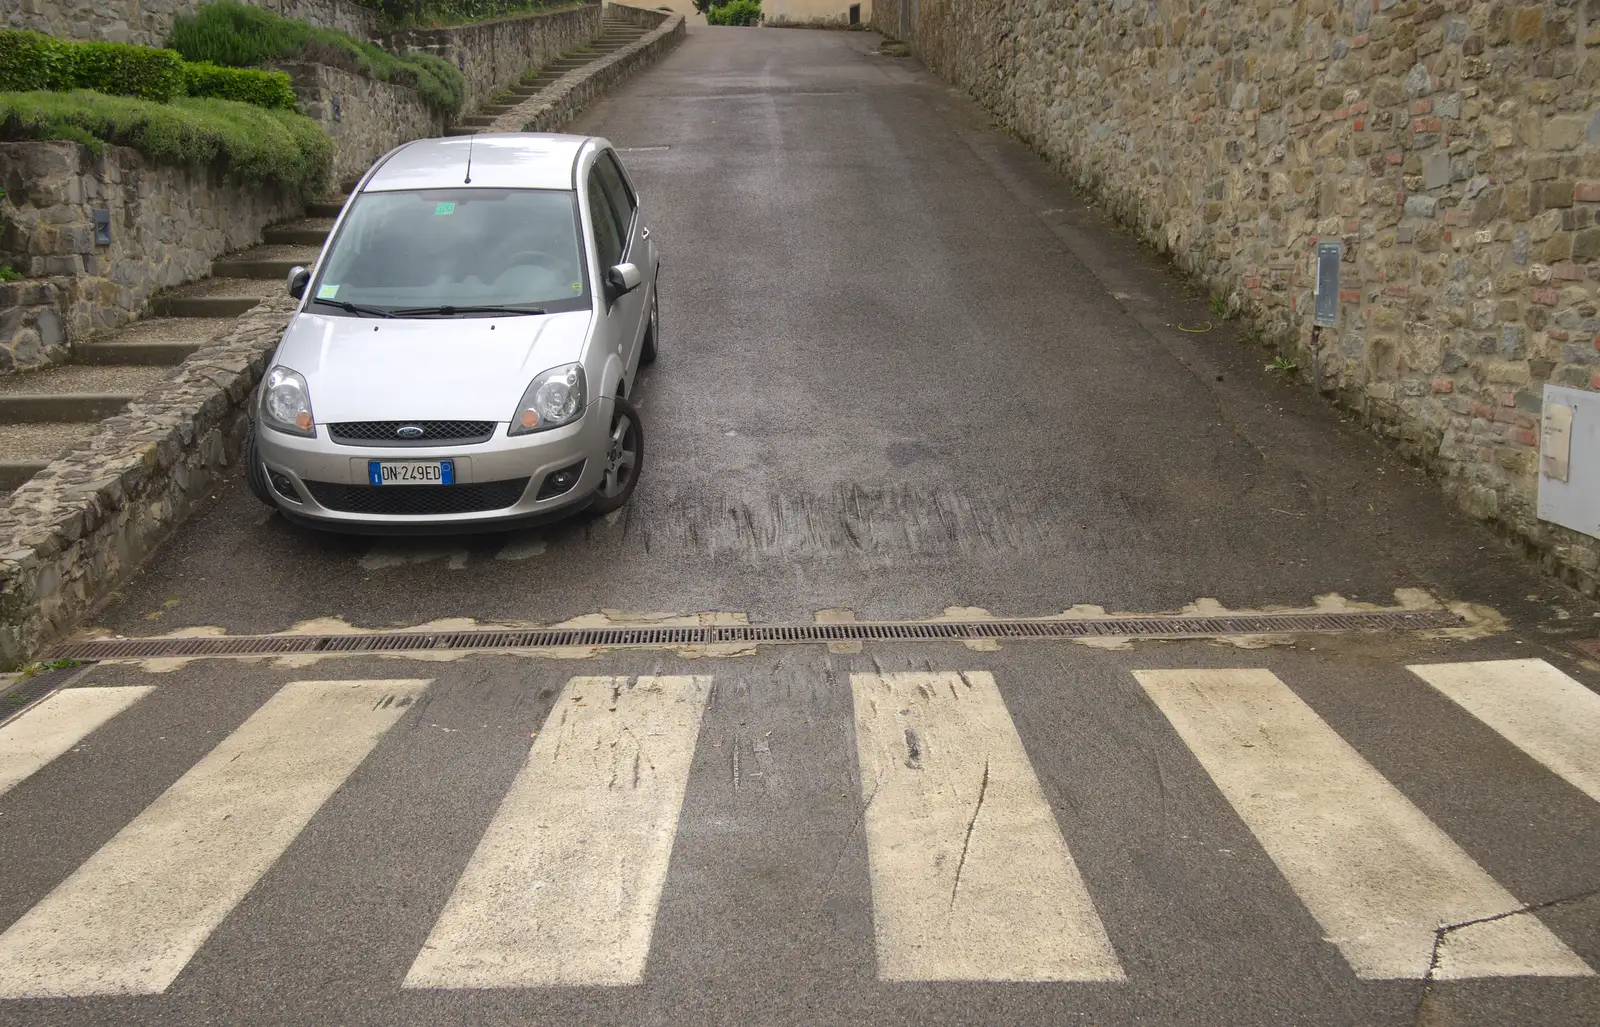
(616, 183)
(607, 233)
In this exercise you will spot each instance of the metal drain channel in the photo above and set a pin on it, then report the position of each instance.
(736, 634)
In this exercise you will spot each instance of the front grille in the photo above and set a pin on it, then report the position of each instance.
(418, 500)
(385, 433)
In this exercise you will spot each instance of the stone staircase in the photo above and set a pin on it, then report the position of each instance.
(614, 35)
(47, 412)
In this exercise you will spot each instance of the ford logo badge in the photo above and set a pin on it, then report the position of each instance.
(410, 431)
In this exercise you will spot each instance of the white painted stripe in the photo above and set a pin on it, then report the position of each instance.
(130, 919)
(1533, 706)
(1377, 874)
(971, 878)
(564, 885)
(47, 730)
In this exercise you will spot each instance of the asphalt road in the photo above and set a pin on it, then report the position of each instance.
(904, 369)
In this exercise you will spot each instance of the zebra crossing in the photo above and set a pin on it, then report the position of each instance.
(972, 877)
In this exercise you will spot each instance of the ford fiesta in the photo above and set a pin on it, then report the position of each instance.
(465, 348)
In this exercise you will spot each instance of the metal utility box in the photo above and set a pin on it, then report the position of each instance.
(1569, 459)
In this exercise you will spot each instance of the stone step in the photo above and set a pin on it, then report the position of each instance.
(305, 232)
(15, 473)
(212, 297)
(72, 393)
(25, 449)
(19, 408)
(478, 121)
(326, 208)
(457, 130)
(271, 261)
(152, 342)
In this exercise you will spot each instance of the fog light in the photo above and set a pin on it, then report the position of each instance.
(557, 482)
(283, 486)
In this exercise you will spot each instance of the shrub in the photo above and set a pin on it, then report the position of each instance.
(237, 36)
(253, 144)
(735, 12)
(448, 12)
(246, 85)
(30, 61)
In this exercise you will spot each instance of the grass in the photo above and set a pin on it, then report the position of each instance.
(254, 144)
(237, 36)
(439, 13)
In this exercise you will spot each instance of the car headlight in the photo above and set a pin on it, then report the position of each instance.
(286, 403)
(555, 398)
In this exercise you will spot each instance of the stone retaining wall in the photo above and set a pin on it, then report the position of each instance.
(1452, 147)
(574, 91)
(149, 22)
(82, 525)
(167, 224)
(365, 117)
(494, 55)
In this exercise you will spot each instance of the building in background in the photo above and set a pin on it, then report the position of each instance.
(816, 12)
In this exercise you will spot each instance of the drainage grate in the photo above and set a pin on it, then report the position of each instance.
(771, 634)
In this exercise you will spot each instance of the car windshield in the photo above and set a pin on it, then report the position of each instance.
(465, 250)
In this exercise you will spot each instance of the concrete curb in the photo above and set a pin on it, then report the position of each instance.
(570, 94)
(84, 524)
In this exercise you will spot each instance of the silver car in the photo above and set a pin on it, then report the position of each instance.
(464, 350)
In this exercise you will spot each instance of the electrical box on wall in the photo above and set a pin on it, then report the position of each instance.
(1569, 459)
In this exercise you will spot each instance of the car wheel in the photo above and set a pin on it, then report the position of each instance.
(623, 460)
(255, 473)
(647, 354)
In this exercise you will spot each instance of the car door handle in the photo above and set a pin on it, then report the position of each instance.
(645, 233)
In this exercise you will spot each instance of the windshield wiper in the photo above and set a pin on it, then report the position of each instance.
(449, 311)
(354, 308)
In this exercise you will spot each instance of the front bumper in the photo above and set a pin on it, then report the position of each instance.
(310, 463)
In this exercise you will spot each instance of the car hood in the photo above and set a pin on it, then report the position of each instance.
(432, 369)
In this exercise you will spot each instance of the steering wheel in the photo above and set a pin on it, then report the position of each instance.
(547, 260)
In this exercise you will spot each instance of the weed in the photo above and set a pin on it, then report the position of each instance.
(9, 273)
(1284, 366)
(1219, 307)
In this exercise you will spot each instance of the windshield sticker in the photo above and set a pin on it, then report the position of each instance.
(327, 292)
(445, 208)
(577, 286)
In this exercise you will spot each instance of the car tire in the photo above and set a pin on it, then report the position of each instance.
(623, 461)
(652, 334)
(255, 473)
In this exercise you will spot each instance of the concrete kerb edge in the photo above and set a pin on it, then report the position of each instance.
(570, 94)
(82, 526)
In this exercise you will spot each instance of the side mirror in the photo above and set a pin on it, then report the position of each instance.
(623, 279)
(299, 278)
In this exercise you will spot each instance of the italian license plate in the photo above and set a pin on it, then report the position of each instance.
(411, 472)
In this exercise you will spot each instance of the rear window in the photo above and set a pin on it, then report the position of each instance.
(456, 247)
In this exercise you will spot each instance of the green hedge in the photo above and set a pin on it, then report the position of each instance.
(246, 85)
(735, 12)
(238, 36)
(254, 144)
(30, 61)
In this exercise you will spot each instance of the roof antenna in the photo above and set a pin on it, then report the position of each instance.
(470, 139)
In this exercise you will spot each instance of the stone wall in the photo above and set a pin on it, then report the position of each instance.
(1451, 146)
(365, 117)
(78, 528)
(167, 223)
(494, 55)
(558, 104)
(148, 22)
